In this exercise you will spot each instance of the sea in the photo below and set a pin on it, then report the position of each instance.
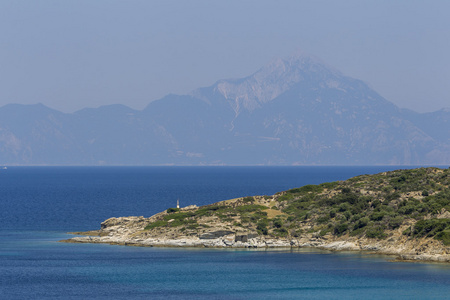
(39, 205)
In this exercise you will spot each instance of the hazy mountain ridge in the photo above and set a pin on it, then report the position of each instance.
(292, 111)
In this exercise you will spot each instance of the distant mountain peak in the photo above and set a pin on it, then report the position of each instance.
(272, 80)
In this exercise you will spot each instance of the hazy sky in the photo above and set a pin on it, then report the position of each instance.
(73, 54)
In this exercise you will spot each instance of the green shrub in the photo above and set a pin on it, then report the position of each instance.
(180, 222)
(357, 232)
(343, 207)
(376, 232)
(430, 227)
(277, 223)
(172, 209)
(178, 216)
(329, 185)
(248, 199)
(356, 217)
(210, 210)
(324, 231)
(377, 216)
(361, 223)
(444, 236)
(285, 197)
(332, 213)
(347, 215)
(250, 208)
(340, 228)
(261, 226)
(245, 219)
(346, 190)
(392, 196)
(258, 215)
(323, 219)
(407, 209)
(376, 203)
(155, 224)
(396, 222)
(280, 232)
(306, 189)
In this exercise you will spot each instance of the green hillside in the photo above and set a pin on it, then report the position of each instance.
(415, 202)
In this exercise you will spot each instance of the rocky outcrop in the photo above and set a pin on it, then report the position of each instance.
(403, 213)
(130, 231)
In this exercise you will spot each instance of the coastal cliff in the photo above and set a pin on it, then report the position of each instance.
(404, 213)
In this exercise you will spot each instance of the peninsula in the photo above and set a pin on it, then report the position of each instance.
(404, 213)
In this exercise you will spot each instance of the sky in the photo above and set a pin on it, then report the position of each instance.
(86, 53)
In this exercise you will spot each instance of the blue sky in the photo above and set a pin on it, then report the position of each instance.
(74, 54)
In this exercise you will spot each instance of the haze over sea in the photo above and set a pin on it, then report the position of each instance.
(38, 205)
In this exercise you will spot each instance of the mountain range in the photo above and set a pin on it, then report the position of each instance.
(294, 111)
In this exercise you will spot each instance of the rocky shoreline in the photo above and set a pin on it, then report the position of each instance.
(129, 231)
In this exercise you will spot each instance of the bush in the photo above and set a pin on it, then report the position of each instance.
(248, 200)
(340, 228)
(407, 209)
(376, 232)
(172, 210)
(323, 219)
(277, 223)
(396, 222)
(361, 223)
(281, 231)
(258, 215)
(250, 208)
(377, 216)
(344, 207)
(444, 236)
(376, 203)
(285, 197)
(430, 227)
(261, 227)
(329, 185)
(306, 189)
(332, 213)
(347, 215)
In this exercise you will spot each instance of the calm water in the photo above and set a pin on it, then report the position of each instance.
(38, 205)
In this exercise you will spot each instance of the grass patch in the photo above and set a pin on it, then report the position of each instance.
(160, 223)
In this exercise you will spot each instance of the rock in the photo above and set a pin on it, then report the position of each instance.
(244, 237)
(215, 234)
(190, 207)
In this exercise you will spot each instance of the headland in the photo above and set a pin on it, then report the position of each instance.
(405, 213)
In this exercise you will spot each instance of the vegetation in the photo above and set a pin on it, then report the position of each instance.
(437, 228)
(371, 206)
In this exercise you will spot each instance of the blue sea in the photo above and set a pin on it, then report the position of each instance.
(38, 205)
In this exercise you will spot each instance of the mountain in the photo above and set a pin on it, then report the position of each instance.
(293, 111)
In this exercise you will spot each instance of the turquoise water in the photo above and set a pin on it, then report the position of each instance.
(38, 205)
